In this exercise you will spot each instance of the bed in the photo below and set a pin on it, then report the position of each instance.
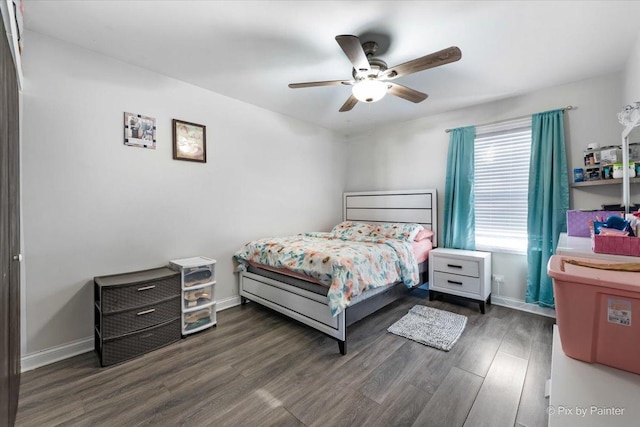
(308, 301)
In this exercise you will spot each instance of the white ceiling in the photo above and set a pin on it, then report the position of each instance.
(251, 50)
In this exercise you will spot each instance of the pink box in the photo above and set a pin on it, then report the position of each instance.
(616, 245)
(579, 222)
(598, 312)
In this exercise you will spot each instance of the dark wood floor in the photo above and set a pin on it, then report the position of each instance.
(258, 368)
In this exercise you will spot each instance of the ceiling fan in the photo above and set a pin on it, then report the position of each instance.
(371, 76)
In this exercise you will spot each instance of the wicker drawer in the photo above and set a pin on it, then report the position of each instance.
(128, 291)
(126, 347)
(114, 325)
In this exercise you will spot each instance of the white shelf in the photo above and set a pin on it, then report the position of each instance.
(612, 181)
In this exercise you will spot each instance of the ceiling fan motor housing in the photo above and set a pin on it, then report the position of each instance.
(376, 69)
(378, 66)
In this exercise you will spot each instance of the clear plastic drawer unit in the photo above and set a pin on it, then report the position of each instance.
(198, 292)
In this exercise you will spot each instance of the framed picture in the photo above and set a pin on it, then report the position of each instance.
(189, 141)
(139, 131)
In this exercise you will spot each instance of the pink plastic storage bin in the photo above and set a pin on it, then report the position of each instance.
(598, 313)
(616, 245)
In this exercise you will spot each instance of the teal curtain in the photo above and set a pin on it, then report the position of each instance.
(548, 202)
(459, 214)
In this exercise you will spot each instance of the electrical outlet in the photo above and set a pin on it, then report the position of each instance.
(498, 279)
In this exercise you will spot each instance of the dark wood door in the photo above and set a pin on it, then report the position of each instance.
(9, 236)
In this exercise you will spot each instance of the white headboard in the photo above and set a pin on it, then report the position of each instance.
(419, 206)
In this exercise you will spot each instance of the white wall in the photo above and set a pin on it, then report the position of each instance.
(632, 75)
(93, 206)
(413, 154)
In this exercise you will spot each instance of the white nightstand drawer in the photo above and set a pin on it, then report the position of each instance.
(456, 282)
(456, 266)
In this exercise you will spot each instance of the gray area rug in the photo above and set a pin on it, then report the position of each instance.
(430, 326)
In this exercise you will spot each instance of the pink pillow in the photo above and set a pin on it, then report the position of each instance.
(423, 234)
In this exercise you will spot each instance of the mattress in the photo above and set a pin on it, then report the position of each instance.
(421, 250)
(348, 262)
(286, 277)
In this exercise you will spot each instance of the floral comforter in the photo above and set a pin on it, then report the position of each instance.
(347, 266)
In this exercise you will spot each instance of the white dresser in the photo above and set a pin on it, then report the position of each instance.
(465, 274)
(581, 247)
(585, 394)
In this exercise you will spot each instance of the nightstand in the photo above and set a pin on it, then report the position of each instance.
(465, 274)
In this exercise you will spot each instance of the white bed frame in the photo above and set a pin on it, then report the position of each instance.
(410, 206)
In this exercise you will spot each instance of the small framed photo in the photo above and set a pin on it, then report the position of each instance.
(139, 131)
(189, 141)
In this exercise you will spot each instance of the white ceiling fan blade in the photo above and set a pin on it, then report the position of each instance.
(348, 106)
(323, 83)
(406, 93)
(442, 57)
(353, 49)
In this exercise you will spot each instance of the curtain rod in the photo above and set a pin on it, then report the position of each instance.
(568, 107)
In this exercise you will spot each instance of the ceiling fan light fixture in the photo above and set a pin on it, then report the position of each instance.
(369, 90)
(370, 74)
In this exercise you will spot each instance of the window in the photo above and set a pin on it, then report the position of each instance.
(502, 153)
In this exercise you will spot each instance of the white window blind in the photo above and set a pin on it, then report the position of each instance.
(502, 153)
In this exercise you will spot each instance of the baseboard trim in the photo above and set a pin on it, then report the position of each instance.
(228, 303)
(522, 306)
(51, 355)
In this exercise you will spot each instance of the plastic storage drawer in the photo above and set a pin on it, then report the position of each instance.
(195, 320)
(192, 299)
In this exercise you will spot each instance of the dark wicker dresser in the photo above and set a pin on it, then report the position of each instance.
(136, 313)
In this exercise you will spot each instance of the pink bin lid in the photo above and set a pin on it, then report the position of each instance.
(623, 280)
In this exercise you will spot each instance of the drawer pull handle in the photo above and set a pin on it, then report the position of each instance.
(146, 312)
(454, 266)
(454, 282)
(146, 288)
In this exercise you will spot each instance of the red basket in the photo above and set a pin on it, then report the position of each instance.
(616, 245)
